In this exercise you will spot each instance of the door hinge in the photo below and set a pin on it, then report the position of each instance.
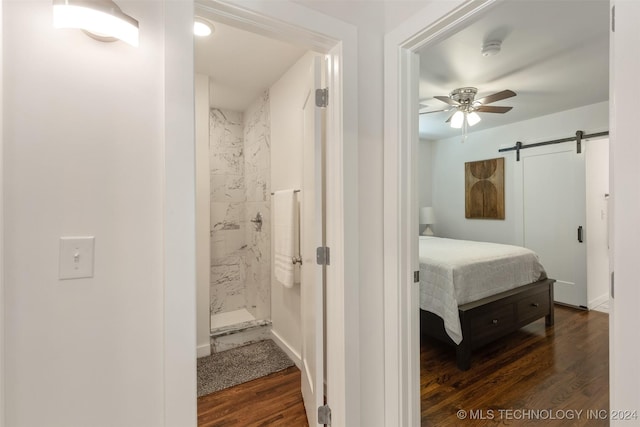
(323, 255)
(416, 276)
(324, 415)
(612, 285)
(613, 19)
(322, 98)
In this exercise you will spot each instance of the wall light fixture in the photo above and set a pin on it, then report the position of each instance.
(100, 19)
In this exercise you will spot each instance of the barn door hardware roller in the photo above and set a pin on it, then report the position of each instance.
(578, 138)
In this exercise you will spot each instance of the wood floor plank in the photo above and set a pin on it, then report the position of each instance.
(537, 372)
(274, 400)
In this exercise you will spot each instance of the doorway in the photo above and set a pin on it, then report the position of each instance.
(288, 318)
(400, 157)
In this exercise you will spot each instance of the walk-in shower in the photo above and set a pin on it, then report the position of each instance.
(239, 159)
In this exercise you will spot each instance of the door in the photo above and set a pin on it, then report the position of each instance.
(554, 217)
(312, 237)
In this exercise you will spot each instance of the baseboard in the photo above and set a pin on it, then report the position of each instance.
(203, 350)
(293, 355)
(598, 301)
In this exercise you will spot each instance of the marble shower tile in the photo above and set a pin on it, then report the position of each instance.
(227, 287)
(240, 187)
(226, 216)
(258, 188)
(228, 188)
(225, 243)
(226, 142)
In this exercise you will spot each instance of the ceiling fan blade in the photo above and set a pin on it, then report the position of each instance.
(492, 109)
(435, 111)
(447, 100)
(495, 97)
(451, 116)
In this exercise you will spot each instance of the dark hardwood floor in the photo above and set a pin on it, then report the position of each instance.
(561, 368)
(533, 374)
(274, 400)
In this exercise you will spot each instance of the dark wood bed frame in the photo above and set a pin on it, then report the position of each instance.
(490, 318)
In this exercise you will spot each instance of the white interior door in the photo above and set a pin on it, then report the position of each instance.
(312, 237)
(554, 217)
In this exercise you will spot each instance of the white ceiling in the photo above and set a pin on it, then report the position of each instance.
(555, 56)
(241, 65)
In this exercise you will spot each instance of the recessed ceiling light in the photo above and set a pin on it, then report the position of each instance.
(202, 28)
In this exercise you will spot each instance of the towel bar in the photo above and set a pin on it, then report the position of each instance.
(295, 191)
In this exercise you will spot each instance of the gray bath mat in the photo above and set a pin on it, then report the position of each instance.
(239, 365)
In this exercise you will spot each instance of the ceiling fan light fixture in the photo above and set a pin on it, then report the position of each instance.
(491, 48)
(457, 120)
(473, 118)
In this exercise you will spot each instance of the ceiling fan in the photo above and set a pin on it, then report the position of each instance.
(466, 107)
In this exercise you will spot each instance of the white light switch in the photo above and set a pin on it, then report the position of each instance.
(76, 257)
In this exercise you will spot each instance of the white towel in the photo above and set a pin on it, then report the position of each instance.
(283, 234)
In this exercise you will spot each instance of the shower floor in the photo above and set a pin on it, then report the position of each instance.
(221, 320)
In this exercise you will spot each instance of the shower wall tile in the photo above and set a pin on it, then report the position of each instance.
(227, 287)
(227, 216)
(228, 243)
(227, 221)
(257, 158)
(239, 154)
(257, 134)
(226, 143)
(228, 188)
(259, 190)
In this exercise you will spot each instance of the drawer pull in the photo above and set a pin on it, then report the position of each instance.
(494, 321)
(535, 304)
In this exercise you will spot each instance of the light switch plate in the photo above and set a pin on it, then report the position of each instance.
(76, 257)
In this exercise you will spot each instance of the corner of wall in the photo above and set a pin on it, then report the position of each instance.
(2, 299)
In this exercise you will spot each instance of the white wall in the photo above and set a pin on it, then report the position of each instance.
(287, 97)
(2, 298)
(449, 156)
(84, 138)
(370, 223)
(424, 176)
(597, 236)
(203, 262)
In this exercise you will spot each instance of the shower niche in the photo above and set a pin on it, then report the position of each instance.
(240, 225)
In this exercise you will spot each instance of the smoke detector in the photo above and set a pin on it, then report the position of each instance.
(491, 48)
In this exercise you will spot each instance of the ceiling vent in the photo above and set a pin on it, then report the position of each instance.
(491, 48)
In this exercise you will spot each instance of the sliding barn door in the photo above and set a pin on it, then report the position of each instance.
(554, 217)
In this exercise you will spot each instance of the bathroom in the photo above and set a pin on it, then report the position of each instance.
(250, 90)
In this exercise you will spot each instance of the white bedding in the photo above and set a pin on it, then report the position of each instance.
(455, 272)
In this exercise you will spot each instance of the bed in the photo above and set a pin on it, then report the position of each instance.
(472, 293)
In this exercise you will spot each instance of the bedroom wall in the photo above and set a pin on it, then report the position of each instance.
(424, 176)
(447, 165)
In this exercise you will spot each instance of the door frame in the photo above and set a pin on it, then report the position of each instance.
(291, 22)
(401, 309)
(435, 22)
(2, 298)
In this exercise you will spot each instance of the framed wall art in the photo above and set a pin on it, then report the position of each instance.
(484, 189)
